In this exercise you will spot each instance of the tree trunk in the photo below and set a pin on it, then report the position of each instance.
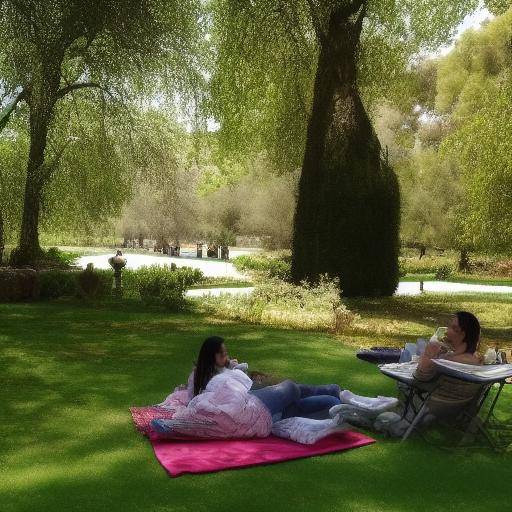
(347, 216)
(41, 103)
(2, 238)
(463, 260)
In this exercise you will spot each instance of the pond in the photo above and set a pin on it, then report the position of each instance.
(219, 268)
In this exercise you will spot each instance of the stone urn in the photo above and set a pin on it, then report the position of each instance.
(117, 262)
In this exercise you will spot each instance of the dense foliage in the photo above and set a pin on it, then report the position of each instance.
(281, 304)
(53, 51)
(275, 266)
(121, 155)
(166, 287)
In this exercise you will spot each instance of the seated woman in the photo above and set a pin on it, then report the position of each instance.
(218, 401)
(460, 345)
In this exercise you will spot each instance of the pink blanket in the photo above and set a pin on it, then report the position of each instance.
(199, 456)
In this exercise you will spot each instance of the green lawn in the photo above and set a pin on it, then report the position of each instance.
(461, 278)
(69, 372)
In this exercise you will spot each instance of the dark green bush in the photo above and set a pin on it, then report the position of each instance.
(165, 286)
(89, 282)
(106, 282)
(53, 254)
(130, 285)
(94, 283)
(156, 285)
(75, 283)
(58, 283)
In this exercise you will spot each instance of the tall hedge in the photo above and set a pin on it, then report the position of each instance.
(348, 209)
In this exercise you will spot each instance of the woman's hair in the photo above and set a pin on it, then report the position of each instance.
(205, 366)
(471, 326)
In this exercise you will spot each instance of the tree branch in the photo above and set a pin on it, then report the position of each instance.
(361, 15)
(47, 169)
(317, 24)
(80, 85)
(355, 5)
(5, 114)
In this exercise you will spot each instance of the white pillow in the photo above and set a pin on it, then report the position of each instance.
(306, 430)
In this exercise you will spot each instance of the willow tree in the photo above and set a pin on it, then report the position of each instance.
(53, 49)
(474, 90)
(296, 79)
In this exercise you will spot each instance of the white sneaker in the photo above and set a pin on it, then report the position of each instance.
(365, 403)
(349, 414)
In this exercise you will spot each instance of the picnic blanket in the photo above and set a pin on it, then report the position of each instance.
(204, 456)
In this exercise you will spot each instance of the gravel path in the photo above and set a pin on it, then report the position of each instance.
(209, 267)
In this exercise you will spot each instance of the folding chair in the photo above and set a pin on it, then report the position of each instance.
(458, 395)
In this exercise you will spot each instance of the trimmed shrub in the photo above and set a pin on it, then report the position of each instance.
(58, 283)
(426, 265)
(75, 283)
(164, 286)
(347, 217)
(278, 267)
(18, 284)
(443, 272)
(94, 283)
(283, 304)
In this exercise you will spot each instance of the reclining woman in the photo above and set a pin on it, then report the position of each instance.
(219, 400)
(286, 398)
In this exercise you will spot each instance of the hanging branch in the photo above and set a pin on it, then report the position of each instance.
(81, 85)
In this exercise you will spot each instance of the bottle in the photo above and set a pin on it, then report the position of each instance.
(490, 356)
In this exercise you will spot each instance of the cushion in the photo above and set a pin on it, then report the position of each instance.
(163, 428)
(379, 355)
(306, 430)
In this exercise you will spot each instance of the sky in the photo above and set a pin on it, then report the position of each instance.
(470, 21)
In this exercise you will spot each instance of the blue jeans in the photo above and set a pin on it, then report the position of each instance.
(292, 399)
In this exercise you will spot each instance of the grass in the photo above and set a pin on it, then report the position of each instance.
(222, 282)
(70, 371)
(392, 321)
(461, 278)
(480, 279)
